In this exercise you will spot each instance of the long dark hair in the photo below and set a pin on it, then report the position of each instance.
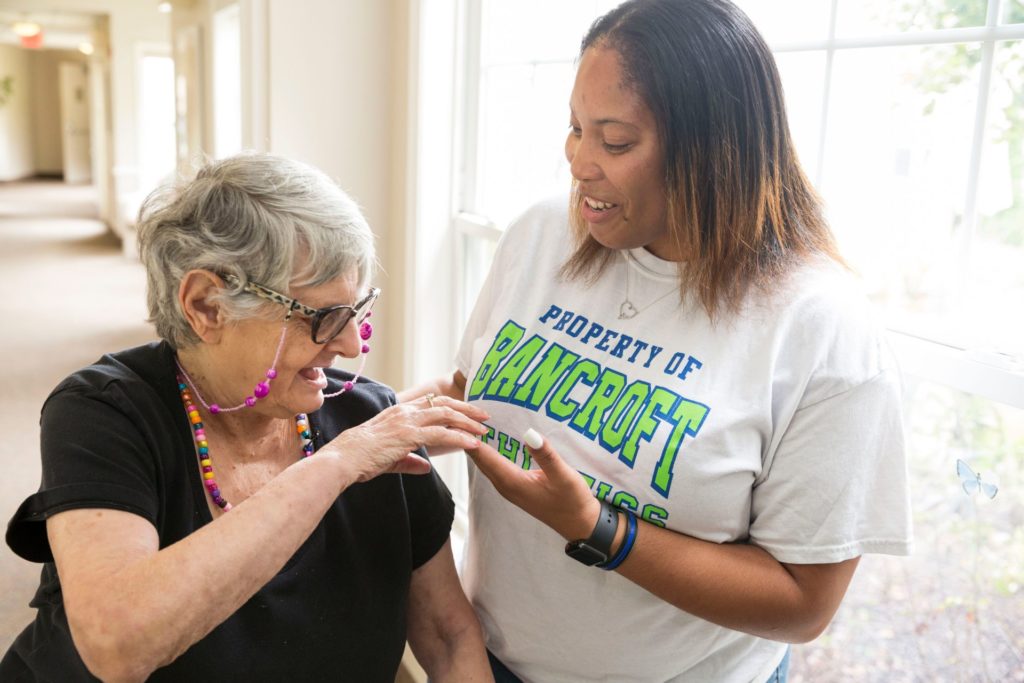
(739, 205)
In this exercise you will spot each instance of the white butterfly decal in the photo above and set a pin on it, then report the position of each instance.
(972, 482)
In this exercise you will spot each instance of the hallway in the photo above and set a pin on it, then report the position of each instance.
(84, 298)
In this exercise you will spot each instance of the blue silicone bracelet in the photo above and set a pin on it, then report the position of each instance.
(627, 543)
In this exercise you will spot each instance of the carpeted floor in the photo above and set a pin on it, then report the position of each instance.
(69, 295)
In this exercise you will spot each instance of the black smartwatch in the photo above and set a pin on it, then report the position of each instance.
(597, 549)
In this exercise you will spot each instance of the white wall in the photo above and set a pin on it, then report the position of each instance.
(16, 116)
(325, 82)
(336, 100)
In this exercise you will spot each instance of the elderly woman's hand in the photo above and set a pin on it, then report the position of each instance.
(386, 442)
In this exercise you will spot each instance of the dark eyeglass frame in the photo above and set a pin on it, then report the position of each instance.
(359, 310)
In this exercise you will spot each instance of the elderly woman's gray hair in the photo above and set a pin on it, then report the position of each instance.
(258, 217)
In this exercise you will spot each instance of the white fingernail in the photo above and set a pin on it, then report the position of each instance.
(533, 439)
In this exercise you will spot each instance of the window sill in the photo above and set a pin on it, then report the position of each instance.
(988, 374)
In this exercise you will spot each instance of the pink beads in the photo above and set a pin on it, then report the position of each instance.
(366, 348)
(348, 386)
(365, 331)
(261, 390)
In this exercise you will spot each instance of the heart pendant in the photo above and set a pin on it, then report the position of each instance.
(627, 310)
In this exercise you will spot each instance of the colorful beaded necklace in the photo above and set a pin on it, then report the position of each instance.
(203, 447)
(261, 391)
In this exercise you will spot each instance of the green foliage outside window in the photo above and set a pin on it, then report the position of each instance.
(951, 67)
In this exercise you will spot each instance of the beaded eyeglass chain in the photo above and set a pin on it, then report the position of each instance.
(187, 387)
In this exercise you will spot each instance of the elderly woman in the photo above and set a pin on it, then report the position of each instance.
(204, 513)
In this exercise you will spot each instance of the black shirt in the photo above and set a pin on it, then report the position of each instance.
(115, 435)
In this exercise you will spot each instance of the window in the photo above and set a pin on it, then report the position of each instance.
(909, 117)
(156, 117)
(227, 92)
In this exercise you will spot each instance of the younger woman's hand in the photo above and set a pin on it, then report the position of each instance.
(386, 442)
(555, 494)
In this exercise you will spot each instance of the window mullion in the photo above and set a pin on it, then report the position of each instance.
(467, 120)
(826, 95)
(977, 145)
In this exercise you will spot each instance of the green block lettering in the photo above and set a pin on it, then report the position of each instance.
(504, 342)
(585, 371)
(507, 446)
(535, 388)
(590, 418)
(654, 515)
(504, 381)
(688, 418)
(624, 500)
(623, 414)
(660, 404)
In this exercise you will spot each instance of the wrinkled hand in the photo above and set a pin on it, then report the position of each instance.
(386, 442)
(555, 494)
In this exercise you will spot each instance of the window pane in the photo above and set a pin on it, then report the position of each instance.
(526, 74)
(1012, 12)
(156, 122)
(524, 119)
(803, 79)
(895, 174)
(536, 30)
(790, 21)
(477, 256)
(997, 251)
(227, 81)
(868, 17)
(952, 610)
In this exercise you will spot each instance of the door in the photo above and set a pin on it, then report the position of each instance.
(74, 119)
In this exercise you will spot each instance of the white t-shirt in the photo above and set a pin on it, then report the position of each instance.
(779, 427)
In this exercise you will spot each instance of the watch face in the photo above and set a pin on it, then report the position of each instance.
(581, 552)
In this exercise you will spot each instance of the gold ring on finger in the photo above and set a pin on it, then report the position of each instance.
(430, 399)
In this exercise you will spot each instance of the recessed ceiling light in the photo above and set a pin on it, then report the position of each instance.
(26, 29)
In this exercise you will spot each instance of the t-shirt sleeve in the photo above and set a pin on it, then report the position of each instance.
(428, 501)
(837, 483)
(431, 511)
(93, 456)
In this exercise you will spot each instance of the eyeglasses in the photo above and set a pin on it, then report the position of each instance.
(327, 323)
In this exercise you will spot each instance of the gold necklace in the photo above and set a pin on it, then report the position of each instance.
(627, 309)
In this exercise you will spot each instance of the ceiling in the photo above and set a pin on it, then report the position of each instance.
(61, 30)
